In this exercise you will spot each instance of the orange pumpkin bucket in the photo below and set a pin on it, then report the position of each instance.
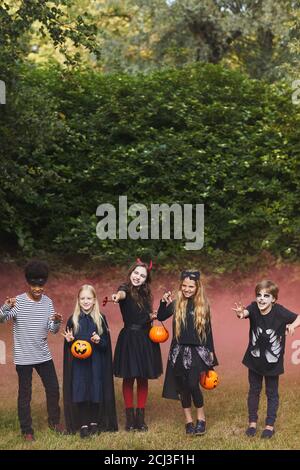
(158, 334)
(81, 349)
(209, 379)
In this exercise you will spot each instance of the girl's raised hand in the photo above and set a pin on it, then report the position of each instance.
(153, 315)
(167, 297)
(239, 310)
(10, 301)
(95, 338)
(68, 335)
(115, 298)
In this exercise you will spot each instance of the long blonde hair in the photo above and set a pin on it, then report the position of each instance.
(201, 311)
(95, 313)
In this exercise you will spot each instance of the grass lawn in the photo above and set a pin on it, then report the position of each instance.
(226, 415)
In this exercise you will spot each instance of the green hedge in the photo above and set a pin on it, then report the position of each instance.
(202, 134)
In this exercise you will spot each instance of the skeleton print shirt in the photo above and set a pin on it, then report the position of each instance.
(265, 351)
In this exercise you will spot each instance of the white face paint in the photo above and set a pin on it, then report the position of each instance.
(138, 276)
(265, 301)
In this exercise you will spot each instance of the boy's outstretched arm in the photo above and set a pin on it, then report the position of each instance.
(241, 311)
(54, 320)
(8, 310)
(292, 326)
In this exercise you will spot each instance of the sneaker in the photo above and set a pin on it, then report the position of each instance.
(93, 428)
(28, 437)
(84, 432)
(200, 427)
(59, 428)
(250, 431)
(267, 433)
(189, 429)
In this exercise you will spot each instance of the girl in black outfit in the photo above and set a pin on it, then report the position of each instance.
(89, 398)
(136, 356)
(192, 348)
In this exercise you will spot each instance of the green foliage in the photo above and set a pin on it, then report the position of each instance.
(202, 134)
(51, 20)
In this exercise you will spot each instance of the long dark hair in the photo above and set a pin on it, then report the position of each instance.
(141, 294)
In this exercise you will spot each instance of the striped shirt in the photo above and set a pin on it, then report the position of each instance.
(31, 324)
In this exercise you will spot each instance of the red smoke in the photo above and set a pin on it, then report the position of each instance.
(230, 334)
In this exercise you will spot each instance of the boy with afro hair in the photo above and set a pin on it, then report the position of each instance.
(33, 317)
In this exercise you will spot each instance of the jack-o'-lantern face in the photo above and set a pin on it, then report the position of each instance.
(81, 349)
(209, 379)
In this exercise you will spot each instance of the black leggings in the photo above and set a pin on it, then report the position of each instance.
(88, 412)
(189, 387)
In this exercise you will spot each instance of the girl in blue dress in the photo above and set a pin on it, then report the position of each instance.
(89, 399)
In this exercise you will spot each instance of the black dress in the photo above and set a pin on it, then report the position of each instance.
(135, 354)
(89, 380)
(188, 356)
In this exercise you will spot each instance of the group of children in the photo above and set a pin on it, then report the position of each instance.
(88, 388)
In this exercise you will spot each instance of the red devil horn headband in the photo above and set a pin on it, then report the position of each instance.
(139, 261)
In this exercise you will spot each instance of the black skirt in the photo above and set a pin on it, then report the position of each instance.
(178, 377)
(136, 355)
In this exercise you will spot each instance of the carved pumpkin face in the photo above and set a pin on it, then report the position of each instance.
(209, 379)
(81, 349)
(158, 334)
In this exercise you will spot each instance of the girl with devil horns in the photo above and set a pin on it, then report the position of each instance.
(89, 398)
(136, 356)
(192, 348)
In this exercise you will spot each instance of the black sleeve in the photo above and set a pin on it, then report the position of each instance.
(210, 342)
(102, 345)
(123, 287)
(287, 315)
(251, 309)
(165, 311)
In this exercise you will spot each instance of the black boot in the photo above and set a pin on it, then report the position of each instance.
(140, 424)
(129, 419)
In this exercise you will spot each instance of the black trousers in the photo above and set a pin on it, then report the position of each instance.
(46, 371)
(255, 382)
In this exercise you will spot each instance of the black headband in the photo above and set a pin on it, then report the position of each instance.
(37, 281)
(193, 275)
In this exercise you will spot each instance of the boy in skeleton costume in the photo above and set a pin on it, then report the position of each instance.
(269, 323)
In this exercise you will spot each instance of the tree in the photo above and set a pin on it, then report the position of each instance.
(252, 34)
(51, 20)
